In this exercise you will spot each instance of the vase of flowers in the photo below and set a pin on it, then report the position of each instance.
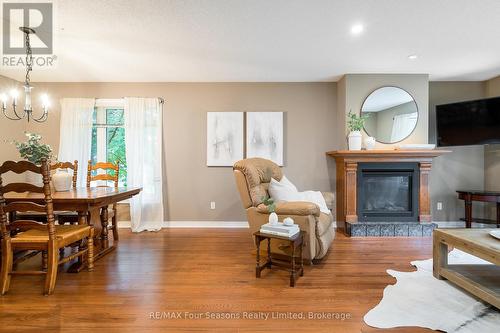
(355, 124)
(33, 151)
(271, 207)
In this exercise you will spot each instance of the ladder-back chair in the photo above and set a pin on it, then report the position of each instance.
(31, 235)
(106, 213)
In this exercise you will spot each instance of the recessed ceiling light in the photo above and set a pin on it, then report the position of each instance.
(413, 57)
(357, 29)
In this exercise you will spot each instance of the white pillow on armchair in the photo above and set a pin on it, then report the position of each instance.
(284, 190)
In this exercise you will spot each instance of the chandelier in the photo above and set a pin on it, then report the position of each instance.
(28, 109)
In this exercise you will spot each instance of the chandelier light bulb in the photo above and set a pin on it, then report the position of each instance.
(3, 98)
(45, 100)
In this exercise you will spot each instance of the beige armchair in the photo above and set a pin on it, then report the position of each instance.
(252, 179)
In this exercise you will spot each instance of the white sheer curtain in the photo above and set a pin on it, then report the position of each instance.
(403, 125)
(143, 142)
(76, 133)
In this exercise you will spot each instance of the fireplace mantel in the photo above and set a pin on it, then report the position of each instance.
(347, 165)
(387, 155)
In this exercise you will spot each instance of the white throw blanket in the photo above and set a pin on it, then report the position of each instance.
(419, 299)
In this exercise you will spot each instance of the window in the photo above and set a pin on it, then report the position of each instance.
(108, 136)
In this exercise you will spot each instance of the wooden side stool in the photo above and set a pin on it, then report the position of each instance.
(296, 242)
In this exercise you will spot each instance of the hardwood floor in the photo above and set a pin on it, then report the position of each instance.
(209, 270)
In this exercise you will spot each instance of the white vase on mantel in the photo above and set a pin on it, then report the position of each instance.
(354, 140)
(62, 180)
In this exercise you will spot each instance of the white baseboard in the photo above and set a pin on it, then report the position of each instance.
(450, 224)
(199, 224)
(460, 224)
(195, 224)
(244, 224)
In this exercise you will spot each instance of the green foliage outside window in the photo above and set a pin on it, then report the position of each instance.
(115, 141)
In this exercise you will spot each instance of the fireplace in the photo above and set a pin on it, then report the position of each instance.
(387, 192)
(384, 192)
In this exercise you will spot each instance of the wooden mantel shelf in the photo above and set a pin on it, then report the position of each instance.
(347, 164)
(387, 153)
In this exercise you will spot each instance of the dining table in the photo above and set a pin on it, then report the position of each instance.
(88, 203)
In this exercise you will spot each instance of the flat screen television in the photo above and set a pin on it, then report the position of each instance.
(468, 123)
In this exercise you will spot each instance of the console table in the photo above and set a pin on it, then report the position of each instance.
(482, 196)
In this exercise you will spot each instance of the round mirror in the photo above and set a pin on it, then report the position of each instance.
(392, 114)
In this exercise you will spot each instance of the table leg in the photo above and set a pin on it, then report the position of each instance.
(439, 255)
(104, 223)
(468, 211)
(293, 273)
(269, 261)
(99, 221)
(498, 214)
(301, 259)
(257, 264)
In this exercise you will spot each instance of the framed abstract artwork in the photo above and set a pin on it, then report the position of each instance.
(224, 138)
(264, 135)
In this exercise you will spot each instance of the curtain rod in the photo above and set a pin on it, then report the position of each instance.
(162, 101)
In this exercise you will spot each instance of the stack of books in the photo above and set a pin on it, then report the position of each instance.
(280, 229)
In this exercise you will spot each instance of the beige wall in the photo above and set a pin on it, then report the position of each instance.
(189, 184)
(312, 127)
(464, 167)
(493, 87)
(356, 87)
(9, 130)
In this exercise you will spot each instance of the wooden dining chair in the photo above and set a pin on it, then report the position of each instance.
(106, 212)
(20, 235)
(62, 217)
(67, 217)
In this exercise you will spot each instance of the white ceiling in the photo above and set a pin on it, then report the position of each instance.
(271, 40)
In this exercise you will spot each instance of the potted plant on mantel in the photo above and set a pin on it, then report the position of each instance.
(33, 151)
(355, 124)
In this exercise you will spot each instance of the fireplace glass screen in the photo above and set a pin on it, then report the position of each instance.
(386, 193)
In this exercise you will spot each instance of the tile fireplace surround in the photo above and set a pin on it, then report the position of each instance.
(349, 164)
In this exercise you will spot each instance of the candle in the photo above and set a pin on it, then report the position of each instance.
(14, 95)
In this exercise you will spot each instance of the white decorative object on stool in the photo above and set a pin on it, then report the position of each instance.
(62, 180)
(288, 221)
(273, 218)
(369, 142)
(355, 140)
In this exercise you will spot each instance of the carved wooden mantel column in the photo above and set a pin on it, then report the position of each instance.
(424, 200)
(347, 166)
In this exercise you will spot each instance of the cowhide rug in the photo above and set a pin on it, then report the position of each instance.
(419, 299)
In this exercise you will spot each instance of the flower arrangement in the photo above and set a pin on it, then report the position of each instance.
(355, 122)
(33, 150)
(269, 202)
